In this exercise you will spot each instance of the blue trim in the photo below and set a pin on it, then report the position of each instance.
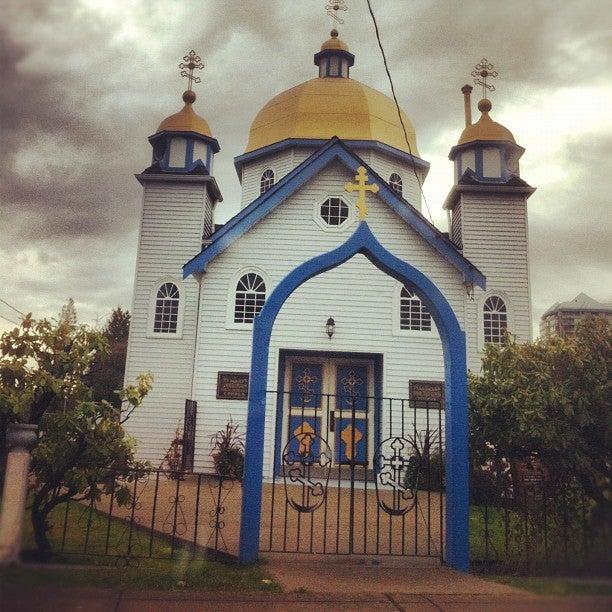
(376, 358)
(213, 142)
(276, 147)
(189, 161)
(478, 158)
(479, 163)
(455, 372)
(334, 149)
(209, 158)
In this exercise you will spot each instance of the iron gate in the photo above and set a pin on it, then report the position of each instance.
(355, 475)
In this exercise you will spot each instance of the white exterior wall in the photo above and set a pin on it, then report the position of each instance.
(170, 234)
(357, 295)
(283, 162)
(494, 235)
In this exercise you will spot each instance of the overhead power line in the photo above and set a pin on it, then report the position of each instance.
(12, 307)
(397, 106)
(9, 320)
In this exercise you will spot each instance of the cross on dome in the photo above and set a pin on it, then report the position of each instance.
(483, 71)
(191, 62)
(332, 10)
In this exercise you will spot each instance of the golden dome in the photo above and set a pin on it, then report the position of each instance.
(334, 42)
(325, 107)
(485, 128)
(186, 120)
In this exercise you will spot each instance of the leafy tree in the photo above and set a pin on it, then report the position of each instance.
(107, 369)
(551, 397)
(82, 444)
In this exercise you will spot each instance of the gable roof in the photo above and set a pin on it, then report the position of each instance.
(334, 149)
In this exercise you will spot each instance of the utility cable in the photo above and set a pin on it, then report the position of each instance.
(9, 320)
(12, 307)
(397, 106)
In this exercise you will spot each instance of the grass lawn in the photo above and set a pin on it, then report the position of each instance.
(187, 570)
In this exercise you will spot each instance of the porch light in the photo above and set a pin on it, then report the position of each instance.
(330, 327)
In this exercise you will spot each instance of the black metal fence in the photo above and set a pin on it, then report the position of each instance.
(550, 528)
(355, 475)
(390, 502)
(152, 514)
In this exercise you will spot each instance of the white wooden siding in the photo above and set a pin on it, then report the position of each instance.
(170, 234)
(357, 295)
(283, 162)
(494, 237)
(455, 230)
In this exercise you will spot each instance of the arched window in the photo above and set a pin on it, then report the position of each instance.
(166, 309)
(334, 211)
(266, 181)
(413, 315)
(495, 319)
(250, 297)
(395, 182)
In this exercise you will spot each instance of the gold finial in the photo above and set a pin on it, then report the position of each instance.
(483, 71)
(191, 62)
(362, 187)
(332, 10)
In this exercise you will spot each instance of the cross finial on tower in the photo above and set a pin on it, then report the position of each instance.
(483, 71)
(332, 9)
(362, 187)
(191, 62)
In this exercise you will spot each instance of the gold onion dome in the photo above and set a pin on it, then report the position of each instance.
(485, 128)
(326, 106)
(334, 42)
(186, 120)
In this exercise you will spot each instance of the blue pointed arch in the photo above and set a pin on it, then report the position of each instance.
(452, 336)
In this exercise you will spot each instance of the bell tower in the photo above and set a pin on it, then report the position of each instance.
(487, 214)
(179, 199)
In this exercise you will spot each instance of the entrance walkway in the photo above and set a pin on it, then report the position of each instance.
(57, 599)
(328, 574)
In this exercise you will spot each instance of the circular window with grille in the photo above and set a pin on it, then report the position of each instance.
(334, 212)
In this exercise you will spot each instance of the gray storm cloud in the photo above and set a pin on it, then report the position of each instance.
(85, 83)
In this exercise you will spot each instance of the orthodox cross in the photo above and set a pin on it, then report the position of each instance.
(191, 62)
(362, 187)
(482, 71)
(332, 10)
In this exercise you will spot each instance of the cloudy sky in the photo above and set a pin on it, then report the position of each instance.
(83, 83)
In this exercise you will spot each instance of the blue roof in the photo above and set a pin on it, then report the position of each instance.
(334, 149)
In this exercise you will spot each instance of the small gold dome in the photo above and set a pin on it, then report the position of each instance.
(186, 120)
(325, 107)
(334, 42)
(485, 128)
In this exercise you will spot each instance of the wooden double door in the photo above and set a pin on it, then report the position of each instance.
(332, 400)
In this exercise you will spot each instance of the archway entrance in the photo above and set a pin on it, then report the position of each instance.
(455, 413)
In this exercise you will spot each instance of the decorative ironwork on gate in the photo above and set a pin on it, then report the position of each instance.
(397, 465)
(162, 515)
(354, 474)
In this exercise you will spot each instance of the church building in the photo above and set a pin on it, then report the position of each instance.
(322, 160)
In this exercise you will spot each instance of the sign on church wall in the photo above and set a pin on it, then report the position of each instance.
(427, 391)
(233, 385)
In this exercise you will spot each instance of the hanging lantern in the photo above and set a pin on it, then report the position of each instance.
(330, 327)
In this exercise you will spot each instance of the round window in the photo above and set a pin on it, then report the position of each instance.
(334, 211)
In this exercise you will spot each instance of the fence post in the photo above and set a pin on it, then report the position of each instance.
(20, 440)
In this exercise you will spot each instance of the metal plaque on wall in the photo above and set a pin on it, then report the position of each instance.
(233, 385)
(426, 391)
